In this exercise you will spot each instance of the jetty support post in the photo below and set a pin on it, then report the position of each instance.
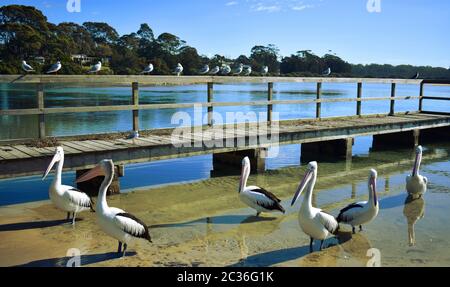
(41, 106)
(92, 186)
(135, 102)
(327, 150)
(392, 106)
(318, 104)
(210, 107)
(421, 97)
(230, 163)
(407, 139)
(269, 98)
(358, 100)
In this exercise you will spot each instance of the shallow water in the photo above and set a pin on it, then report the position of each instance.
(203, 223)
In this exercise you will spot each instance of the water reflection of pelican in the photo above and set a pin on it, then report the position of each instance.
(414, 211)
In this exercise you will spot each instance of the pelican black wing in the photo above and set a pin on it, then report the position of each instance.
(140, 230)
(273, 203)
(341, 217)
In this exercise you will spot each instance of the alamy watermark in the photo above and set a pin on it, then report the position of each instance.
(375, 257)
(73, 6)
(75, 257)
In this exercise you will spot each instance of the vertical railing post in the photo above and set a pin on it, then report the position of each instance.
(269, 98)
(359, 96)
(210, 100)
(421, 97)
(392, 108)
(318, 104)
(135, 102)
(41, 106)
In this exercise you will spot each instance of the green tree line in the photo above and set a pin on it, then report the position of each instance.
(26, 34)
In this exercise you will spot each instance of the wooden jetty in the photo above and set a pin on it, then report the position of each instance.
(319, 136)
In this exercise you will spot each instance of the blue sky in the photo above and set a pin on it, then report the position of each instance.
(403, 32)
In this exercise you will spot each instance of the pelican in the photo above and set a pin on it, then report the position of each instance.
(178, 70)
(247, 70)
(265, 70)
(239, 70)
(96, 68)
(66, 198)
(27, 68)
(204, 70)
(317, 224)
(327, 72)
(416, 184)
(215, 70)
(255, 197)
(360, 213)
(115, 222)
(55, 68)
(148, 69)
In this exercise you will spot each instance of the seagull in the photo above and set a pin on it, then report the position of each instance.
(316, 223)
(238, 70)
(417, 76)
(115, 222)
(148, 69)
(327, 72)
(226, 69)
(133, 135)
(255, 197)
(27, 68)
(416, 184)
(55, 68)
(96, 68)
(178, 70)
(215, 70)
(265, 70)
(359, 213)
(204, 70)
(247, 70)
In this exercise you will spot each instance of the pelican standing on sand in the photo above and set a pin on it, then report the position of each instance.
(66, 198)
(55, 68)
(115, 222)
(416, 185)
(360, 213)
(27, 68)
(96, 68)
(317, 224)
(255, 197)
(178, 70)
(204, 70)
(148, 69)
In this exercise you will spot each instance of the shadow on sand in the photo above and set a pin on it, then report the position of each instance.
(225, 219)
(34, 225)
(85, 260)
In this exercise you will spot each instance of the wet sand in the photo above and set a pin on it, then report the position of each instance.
(205, 224)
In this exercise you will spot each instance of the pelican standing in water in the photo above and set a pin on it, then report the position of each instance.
(317, 224)
(66, 198)
(416, 185)
(360, 213)
(255, 197)
(115, 222)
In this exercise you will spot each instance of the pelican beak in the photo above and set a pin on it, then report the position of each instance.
(55, 159)
(416, 164)
(93, 173)
(373, 185)
(301, 187)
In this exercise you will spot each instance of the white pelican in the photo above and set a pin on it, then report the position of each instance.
(66, 198)
(148, 69)
(360, 213)
(316, 223)
(265, 70)
(247, 70)
(27, 68)
(327, 72)
(55, 68)
(96, 68)
(238, 70)
(204, 70)
(215, 70)
(115, 222)
(255, 197)
(416, 184)
(226, 69)
(178, 70)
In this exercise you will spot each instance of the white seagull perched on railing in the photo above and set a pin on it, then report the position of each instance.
(416, 184)
(115, 222)
(265, 70)
(66, 198)
(148, 69)
(204, 70)
(361, 213)
(96, 68)
(27, 68)
(247, 70)
(55, 68)
(214, 70)
(226, 69)
(317, 224)
(238, 70)
(178, 70)
(255, 197)
(327, 72)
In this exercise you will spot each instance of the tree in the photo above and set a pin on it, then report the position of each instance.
(265, 56)
(101, 33)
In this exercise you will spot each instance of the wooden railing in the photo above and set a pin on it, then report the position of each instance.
(135, 81)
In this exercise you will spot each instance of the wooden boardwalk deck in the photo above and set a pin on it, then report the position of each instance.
(22, 159)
